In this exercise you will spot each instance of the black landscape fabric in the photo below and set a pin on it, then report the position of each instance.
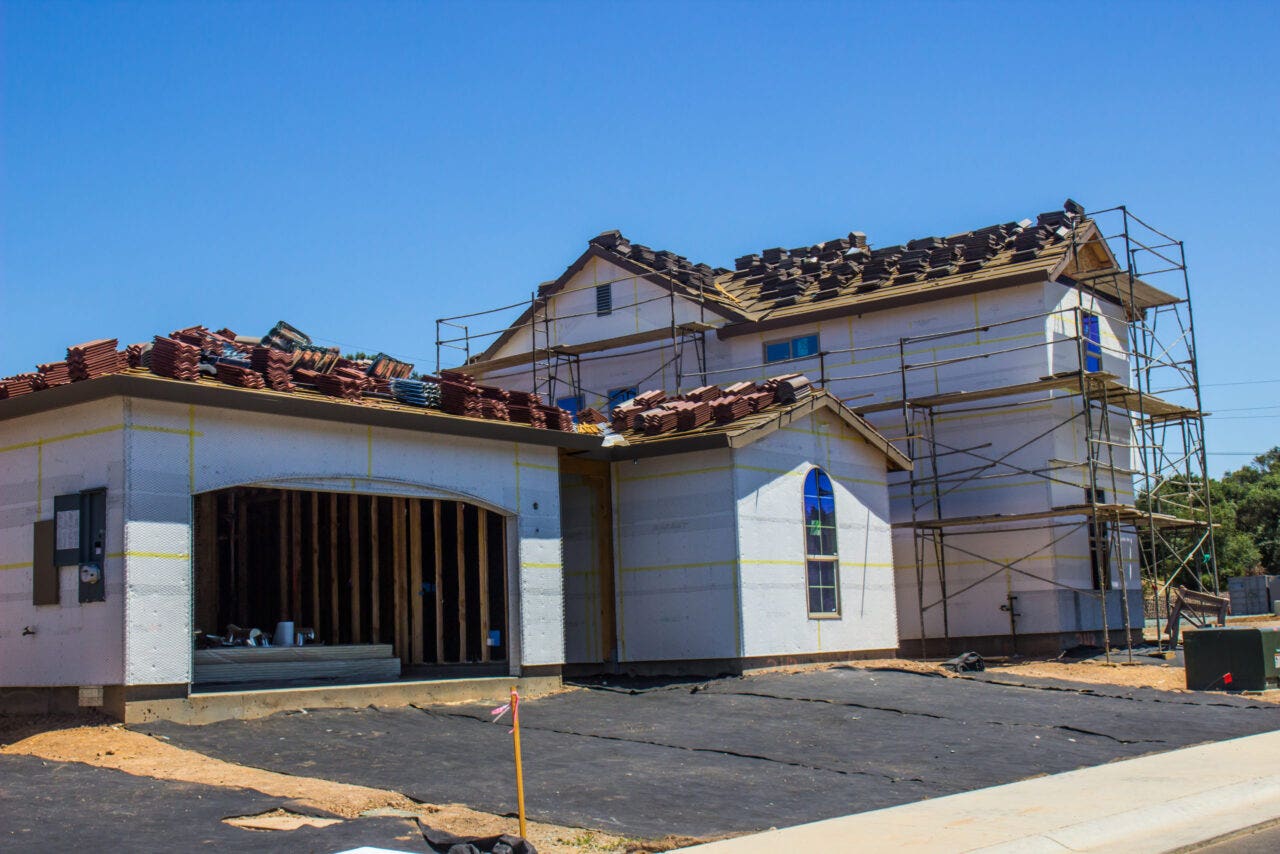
(67, 806)
(733, 754)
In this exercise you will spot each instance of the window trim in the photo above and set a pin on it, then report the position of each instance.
(832, 559)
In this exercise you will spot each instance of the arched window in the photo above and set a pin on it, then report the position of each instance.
(822, 566)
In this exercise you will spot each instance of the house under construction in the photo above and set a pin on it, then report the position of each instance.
(1041, 375)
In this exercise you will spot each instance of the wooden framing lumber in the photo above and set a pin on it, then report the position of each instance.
(353, 522)
(398, 583)
(439, 581)
(335, 618)
(375, 582)
(462, 585)
(242, 560)
(482, 532)
(282, 564)
(295, 530)
(207, 571)
(415, 580)
(314, 621)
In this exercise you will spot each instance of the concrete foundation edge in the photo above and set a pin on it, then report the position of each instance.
(1049, 643)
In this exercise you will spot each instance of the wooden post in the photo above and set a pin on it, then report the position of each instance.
(398, 584)
(295, 527)
(353, 526)
(282, 568)
(415, 580)
(207, 571)
(482, 531)
(439, 581)
(242, 558)
(462, 586)
(335, 620)
(314, 620)
(375, 583)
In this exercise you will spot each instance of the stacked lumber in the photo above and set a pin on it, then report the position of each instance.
(274, 366)
(93, 359)
(175, 359)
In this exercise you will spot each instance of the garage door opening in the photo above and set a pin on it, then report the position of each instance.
(378, 587)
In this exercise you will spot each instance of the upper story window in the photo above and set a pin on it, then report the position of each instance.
(621, 395)
(1092, 334)
(604, 300)
(822, 565)
(791, 348)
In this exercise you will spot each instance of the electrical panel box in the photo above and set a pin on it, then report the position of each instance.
(80, 539)
(1238, 658)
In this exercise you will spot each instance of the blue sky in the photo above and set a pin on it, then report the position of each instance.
(362, 168)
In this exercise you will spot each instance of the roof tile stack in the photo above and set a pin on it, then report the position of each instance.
(134, 353)
(659, 420)
(777, 277)
(555, 418)
(93, 359)
(531, 415)
(459, 395)
(339, 385)
(175, 359)
(273, 364)
(728, 409)
(19, 384)
(759, 400)
(53, 374)
(241, 376)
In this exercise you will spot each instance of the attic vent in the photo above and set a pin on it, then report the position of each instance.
(604, 300)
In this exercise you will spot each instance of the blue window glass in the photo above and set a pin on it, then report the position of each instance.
(778, 351)
(821, 563)
(572, 405)
(804, 346)
(619, 396)
(1092, 343)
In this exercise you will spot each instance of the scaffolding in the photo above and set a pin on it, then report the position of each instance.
(555, 368)
(1143, 434)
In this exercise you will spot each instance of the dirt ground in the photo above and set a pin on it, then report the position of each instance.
(110, 745)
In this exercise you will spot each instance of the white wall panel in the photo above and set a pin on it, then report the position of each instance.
(768, 487)
(677, 558)
(41, 456)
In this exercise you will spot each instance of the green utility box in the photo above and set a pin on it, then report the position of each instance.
(1239, 658)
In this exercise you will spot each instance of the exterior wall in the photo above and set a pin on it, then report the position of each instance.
(41, 456)
(768, 481)
(154, 456)
(579, 524)
(1026, 333)
(676, 545)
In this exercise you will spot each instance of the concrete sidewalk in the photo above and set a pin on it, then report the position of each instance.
(1154, 803)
